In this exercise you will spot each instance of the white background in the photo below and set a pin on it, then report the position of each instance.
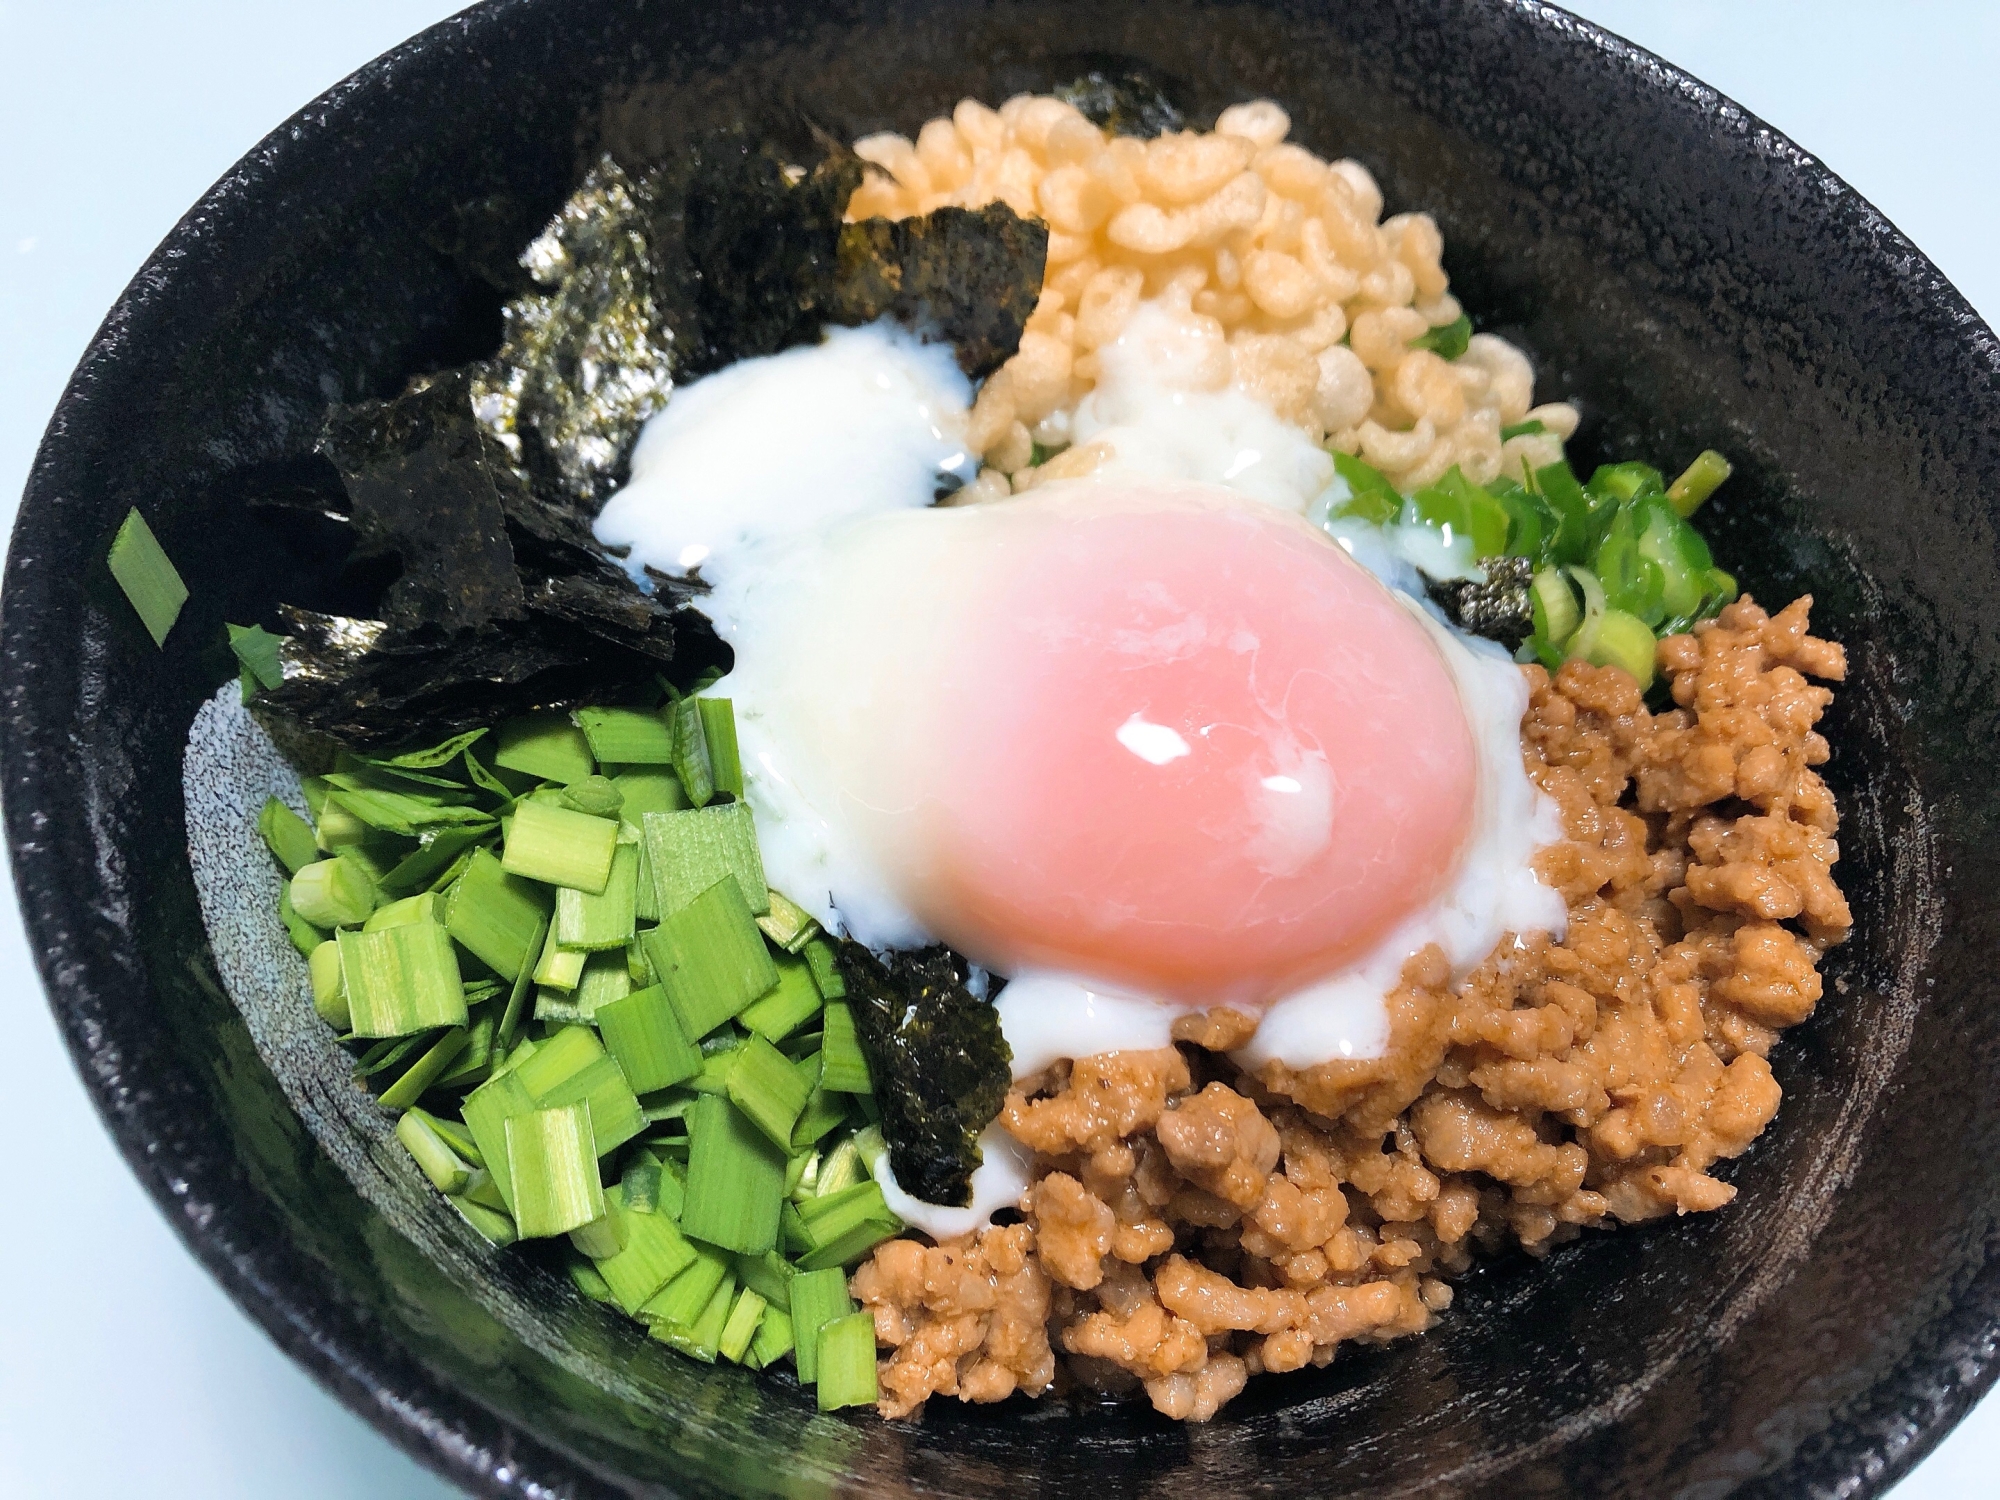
(123, 1369)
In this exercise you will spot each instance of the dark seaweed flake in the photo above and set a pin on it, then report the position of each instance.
(1123, 102)
(940, 1065)
(1501, 608)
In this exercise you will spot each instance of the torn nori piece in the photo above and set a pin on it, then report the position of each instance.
(940, 1065)
(970, 276)
(585, 361)
(1501, 609)
(1124, 103)
(480, 238)
(418, 489)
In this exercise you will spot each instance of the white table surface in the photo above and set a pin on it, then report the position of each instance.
(123, 1368)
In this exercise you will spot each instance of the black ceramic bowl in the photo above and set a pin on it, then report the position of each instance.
(1689, 275)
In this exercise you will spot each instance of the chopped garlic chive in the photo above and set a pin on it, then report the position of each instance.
(402, 814)
(603, 921)
(391, 1052)
(788, 1007)
(427, 866)
(774, 1337)
(850, 1224)
(500, 918)
(333, 893)
(455, 1135)
(573, 1067)
(337, 828)
(640, 1182)
(691, 850)
(328, 986)
(554, 1008)
(741, 1326)
(681, 1301)
(605, 980)
(841, 1168)
(547, 746)
(487, 1110)
(769, 1275)
(846, 1363)
(484, 1189)
(700, 1339)
(823, 1111)
(305, 937)
(601, 1238)
(718, 728)
(626, 736)
(425, 908)
(843, 1070)
(793, 1237)
(818, 1298)
(517, 998)
(597, 795)
(402, 979)
(560, 847)
(497, 1227)
(710, 958)
(673, 1186)
(649, 791)
(257, 654)
(440, 1163)
(1698, 481)
(735, 1181)
(147, 576)
(825, 969)
(691, 761)
(288, 836)
(786, 924)
(552, 1162)
(560, 968)
(638, 966)
(641, 1031)
(426, 1070)
(645, 890)
(716, 1066)
(768, 1089)
(586, 1279)
(655, 1253)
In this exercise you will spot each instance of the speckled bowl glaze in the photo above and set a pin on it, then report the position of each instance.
(1688, 274)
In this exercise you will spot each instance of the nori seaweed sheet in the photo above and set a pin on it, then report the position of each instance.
(1501, 609)
(970, 276)
(1123, 102)
(940, 1065)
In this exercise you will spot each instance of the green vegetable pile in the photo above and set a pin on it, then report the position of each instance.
(1611, 565)
(554, 951)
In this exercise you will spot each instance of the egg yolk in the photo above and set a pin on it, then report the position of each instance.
(1189, 747)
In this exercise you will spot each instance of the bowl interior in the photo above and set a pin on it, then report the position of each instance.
(1690, 278)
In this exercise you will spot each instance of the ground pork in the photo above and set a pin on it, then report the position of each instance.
(1191, 1225)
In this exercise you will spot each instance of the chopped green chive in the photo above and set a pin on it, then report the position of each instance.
(517, 998)
(552, 1161)
(842, 1168)
(587, 1281)
(768, 1089)
(735, 1181)
(546, 746)
(788, 1007)
(1447, 340)
(741, 1326)
(823, 1111)
(288, 836)
(560, 968)
(602, 1238)
(710, 958)
(333, 893)
(257, 657)
(788, 925)
(426, 1070)
(487, 1110)
(691, 850)
(825, 969)
(774, 1338)
(148, 578)
(500, 918)
(573, 1067)
(641, 1031)
(703, 1340)
(597, 795)
(843, 1069)
(1698, 481)
(603, 921)
(436, 861)
(846, 1363)
(424, 908)
(402, 979)
(844, 1226)
(818, 1298)
(440, 1163)
(559, 847)
(655, 1253)
(640, 1182)
(691, 761)
(626, 736)
(649, 791)
(605, 980)
(305, 937)
(496, 1227)
(769, 1275)
(681, 1301)
(718, 727)
(329, 987)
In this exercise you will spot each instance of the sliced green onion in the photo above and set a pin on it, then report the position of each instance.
(717, 1063)
(426, 1070)
(1698, 481)
(1574, 509)
(642, 1032)
(475, 1063)
(825, 969)
(637, 965)
(333, 893)
(432, 757)
(626, 736)
(401, 980)
(329, 986)
(819, 1298)
(546, 746)
(703, 1339)
(768, 1089)
(846, 1363)
(593, 923)
(146, 575)
(735, 1181)
(1557, 613)
(552, 1161)
(1626, 641)
(710, 957)
(774, 1338)
(439, 1162)
(788, 1007)
(741, 1326)
(572, 1067)
(718, 727)
(788, 925)
(655, 1253)
(288, 836)
(843, 1069)
(560, 847)
(691, 762)
(691, 850)
(1447, 341)
(499, 918)
(405, 815)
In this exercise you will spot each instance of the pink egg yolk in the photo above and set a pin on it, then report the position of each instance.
(1189, 747)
